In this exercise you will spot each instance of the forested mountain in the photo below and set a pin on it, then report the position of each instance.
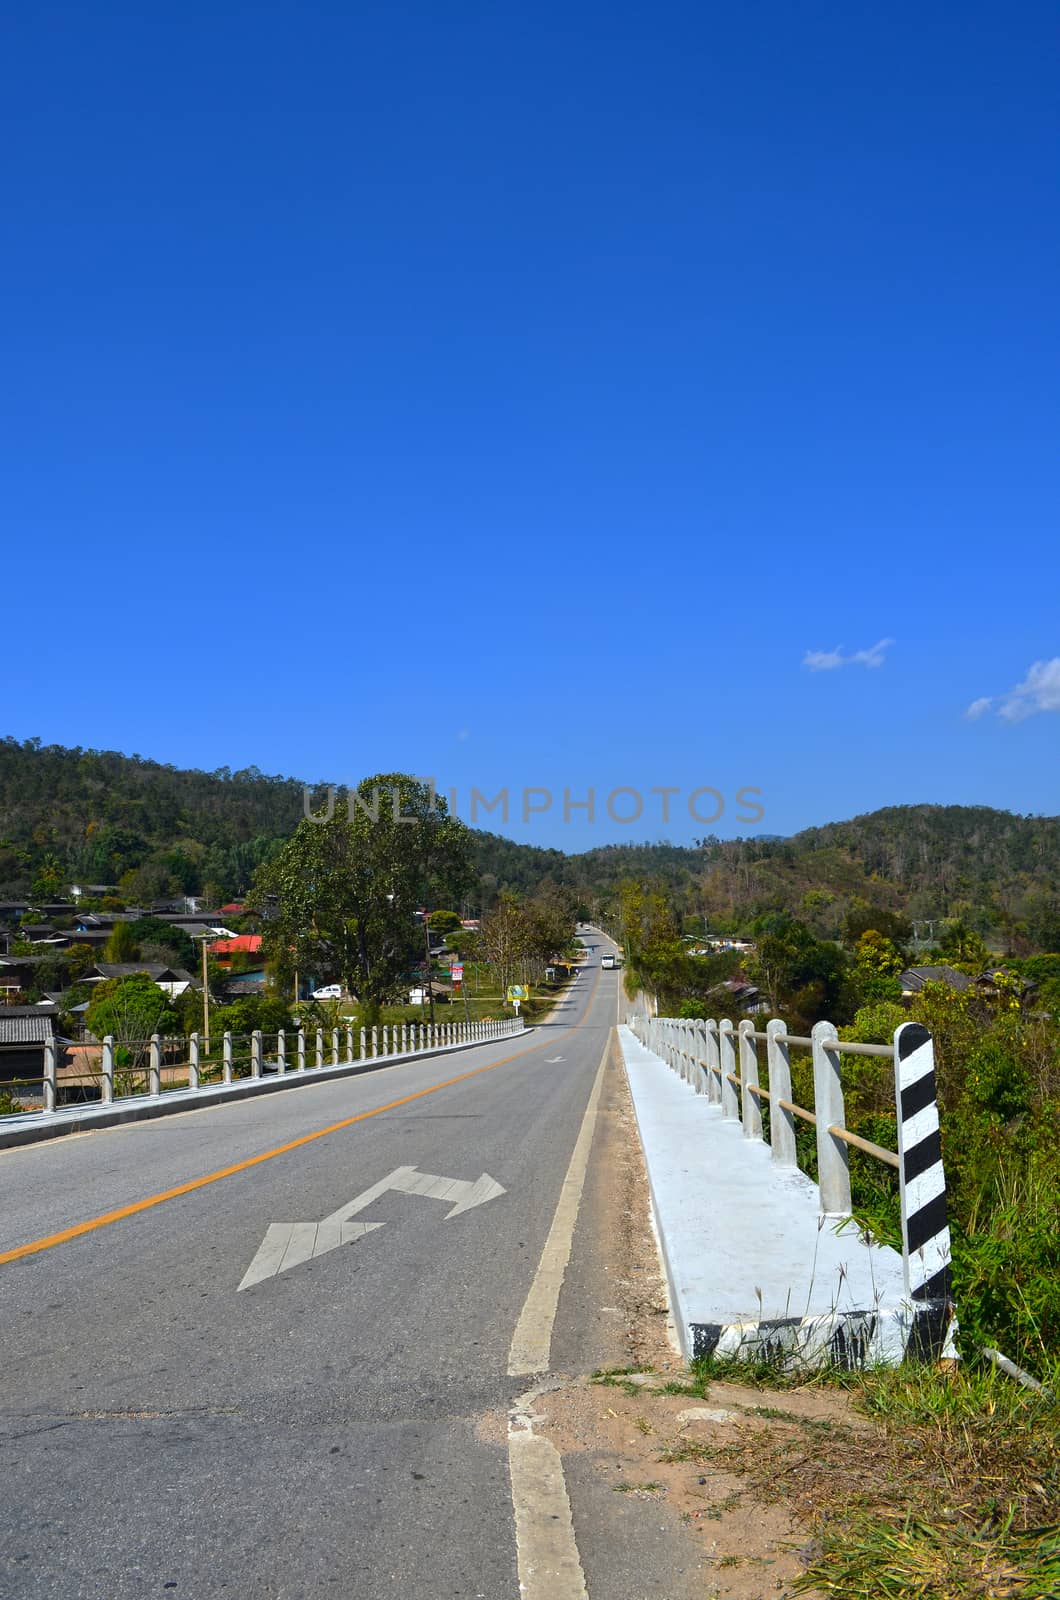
(997, 872)
(96, 816)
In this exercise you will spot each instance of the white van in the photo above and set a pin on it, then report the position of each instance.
(607, 961)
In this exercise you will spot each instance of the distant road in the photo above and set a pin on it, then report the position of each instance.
(324, 1430)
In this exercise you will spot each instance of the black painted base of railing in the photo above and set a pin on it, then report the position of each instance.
(849, 1340)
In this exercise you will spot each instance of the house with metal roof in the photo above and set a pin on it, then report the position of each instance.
(173, 980)
(914, 979)
(24, 1032)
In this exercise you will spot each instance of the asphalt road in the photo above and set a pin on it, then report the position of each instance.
(332, 1430)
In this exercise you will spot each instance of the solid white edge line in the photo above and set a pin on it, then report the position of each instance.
(532, 1339)
(547, 1559)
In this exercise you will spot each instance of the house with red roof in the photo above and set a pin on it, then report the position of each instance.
(247, 945)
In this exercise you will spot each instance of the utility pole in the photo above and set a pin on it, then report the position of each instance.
(427, 957)
(205, 1000)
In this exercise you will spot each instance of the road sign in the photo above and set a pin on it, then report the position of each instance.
(518, 991)
(456, 971)
(288, 1244)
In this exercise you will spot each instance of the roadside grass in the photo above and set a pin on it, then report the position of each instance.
(954, 1492)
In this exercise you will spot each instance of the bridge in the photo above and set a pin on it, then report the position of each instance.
(285, 1335)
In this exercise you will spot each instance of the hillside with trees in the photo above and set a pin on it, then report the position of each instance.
(151, 830)
(994, 871)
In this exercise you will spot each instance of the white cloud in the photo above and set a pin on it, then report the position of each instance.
(1039, 691)
(828, 660)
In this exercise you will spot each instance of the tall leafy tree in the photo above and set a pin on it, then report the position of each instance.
(340, 899)
(123, 944)
(131, 1009)
(504, 940)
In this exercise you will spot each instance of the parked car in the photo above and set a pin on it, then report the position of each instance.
(330, 991)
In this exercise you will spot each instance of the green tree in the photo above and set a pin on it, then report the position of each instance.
(806, 980)
(340, 899)
(132, 1009)
(49, 879)
(122, 946)
(964, 948)
(466, 943)
(878, 954)
(80, 958)
(550, 925)
(443, 921)
(504, 940)
(161, 941)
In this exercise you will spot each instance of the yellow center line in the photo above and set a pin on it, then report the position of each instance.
(104, 1221)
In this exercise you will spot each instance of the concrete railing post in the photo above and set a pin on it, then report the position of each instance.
(833, 1173)
(713, 1062)
(334, 1047)
(363, 1043)
(375, 1042)
(300, 1051)
(752, 1106)
(386, 1040)
(781, 1120)
(51, 1062)
(281, 1052)
(702, 1073)
(404, 1038)
(320, 1047)
(154, 1065)
(106, 1067)
(349, 1045)
(193, 1065)
(226, 1057)
(255, 1053)
(730, 1102)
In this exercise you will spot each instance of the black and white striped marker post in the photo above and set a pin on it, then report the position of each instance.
(925, 1228)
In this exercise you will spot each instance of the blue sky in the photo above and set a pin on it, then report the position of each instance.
(522, 395)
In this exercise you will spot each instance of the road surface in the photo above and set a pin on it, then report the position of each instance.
(335, 1427)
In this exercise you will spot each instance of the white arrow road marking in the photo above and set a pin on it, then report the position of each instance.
(288, 1244)
(550, 1061)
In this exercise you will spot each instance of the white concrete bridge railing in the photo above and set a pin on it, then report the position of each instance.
(741, 1069)
(143, 1077)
